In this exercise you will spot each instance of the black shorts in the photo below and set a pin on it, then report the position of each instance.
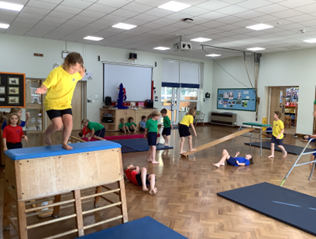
(130, 129)
(152, 138)
(231, 161)
(142, 129)
(274, 140)
(166, 131)
(100, 133)
(58, 113)
(184, 130)
(14, 146)
(139, 179)
(121, 130)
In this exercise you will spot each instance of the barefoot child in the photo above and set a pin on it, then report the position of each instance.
(151, 135)
(123, 127)
(142, 124)
(277, 134)
(84, 132)
(234, 161)
(166, 126)
(19, 112)
(97, 130)
(141, 178)
(185, 123)
(13, 133)
(60, 85)
(131, 125)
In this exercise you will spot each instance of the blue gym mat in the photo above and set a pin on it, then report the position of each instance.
(290, 207)
(137, 145)
(145, 228)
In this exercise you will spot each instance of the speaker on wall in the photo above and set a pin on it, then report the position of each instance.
(108, 100)
(132, 56)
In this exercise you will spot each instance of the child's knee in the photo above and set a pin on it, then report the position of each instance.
(144, 169)
(58, 126)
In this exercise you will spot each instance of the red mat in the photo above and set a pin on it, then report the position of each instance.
(119, 137)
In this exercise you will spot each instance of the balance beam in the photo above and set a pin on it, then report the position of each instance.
(218, 141)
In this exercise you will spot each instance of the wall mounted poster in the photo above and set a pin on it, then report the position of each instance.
(236, 99)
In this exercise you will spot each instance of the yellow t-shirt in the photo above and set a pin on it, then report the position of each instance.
(277, 128)
(187, 120)
(61, 86)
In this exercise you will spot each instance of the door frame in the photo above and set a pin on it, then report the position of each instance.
(174, 107)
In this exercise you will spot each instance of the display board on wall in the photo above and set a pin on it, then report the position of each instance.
(236, 99)
(12, 90)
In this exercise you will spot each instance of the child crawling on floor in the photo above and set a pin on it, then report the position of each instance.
(234, 161)
(141, 178)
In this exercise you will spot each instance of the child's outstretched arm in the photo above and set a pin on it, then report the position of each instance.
(82, 72)
(25, 138)
(41, 90)
(192, 125)
(237, 153)
(91, 134)
(27, 118)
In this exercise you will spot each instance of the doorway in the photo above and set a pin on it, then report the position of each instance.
(285, 100)
(169, 101)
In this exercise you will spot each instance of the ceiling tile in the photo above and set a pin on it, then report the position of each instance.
(67, 9)
(234, 1)
(76, 3)
(194, 11)
(16, 30)
(159, 12)
(42, 5)
(301, 18)
(230, 19)
(36, 33)
(146, 17)
(115, 3)
(271, 9)
(213, 5)
(137, 7)
(213, 15)
(178, 16)
(101, 8)
(295, 3)
(264, 19)
(60, 15)
(232, 10)
(124, 13)
(307, 9)
(250, 4)
(287, 13)
(249, 14)
(92, 14)
(30, 16)
(34, 10)
(54, 19)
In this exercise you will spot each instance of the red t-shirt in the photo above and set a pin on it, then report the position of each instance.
(13, 134)
(86, 130)
(131, 176)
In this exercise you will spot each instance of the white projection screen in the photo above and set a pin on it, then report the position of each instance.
(136, 80)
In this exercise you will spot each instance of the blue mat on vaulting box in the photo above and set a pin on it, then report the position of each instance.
(287, 206)
(145, 228)
(137, 145)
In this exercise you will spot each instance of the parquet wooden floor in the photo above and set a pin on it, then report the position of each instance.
(187, 200)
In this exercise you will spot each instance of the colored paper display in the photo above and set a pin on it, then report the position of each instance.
(236, 99)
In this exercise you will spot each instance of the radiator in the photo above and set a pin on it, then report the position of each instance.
(228, 119)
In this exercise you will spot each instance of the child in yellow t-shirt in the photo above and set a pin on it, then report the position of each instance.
(185, 123)
(277, 134)
(60, 85)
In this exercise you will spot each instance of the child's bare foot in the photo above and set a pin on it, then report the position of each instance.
(47, 139)
(182, 152)
(192, 150)
(271, 156)
(153, 191)
(67, 147)
(223, 164)
(216, 165)
(145, 189)
(285, 154)
(155, 162)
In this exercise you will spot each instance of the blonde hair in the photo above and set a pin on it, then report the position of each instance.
(84, 121)
(191, 111)
(15, 110)
(122, 119)
(154, 113)
(12, 114)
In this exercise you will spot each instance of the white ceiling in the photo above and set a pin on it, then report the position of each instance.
(224, 21)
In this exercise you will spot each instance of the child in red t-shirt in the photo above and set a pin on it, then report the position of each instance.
(141, 178)
(84, 132)
(13, 133)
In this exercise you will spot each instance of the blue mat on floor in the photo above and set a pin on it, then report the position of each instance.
(290, 207)
(145, 228)
(137, 145)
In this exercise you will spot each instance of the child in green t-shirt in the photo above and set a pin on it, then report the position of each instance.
(97, 130)
(151, 135)
(131, 125)
(123, 127)
(166, 126)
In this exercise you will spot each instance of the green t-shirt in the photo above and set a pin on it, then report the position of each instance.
(94, 125)
(315, 102)
(129, 124)
(152, 125)
(166, 122)
(120, 126)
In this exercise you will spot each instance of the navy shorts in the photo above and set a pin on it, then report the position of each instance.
(166, 131)
(139, 179)
(14, 146)
(100, 133)
(58, 113)
(231, 161)
(152, 138)
(184, 130)
(132, 130)
(142, 129)
(274, 140)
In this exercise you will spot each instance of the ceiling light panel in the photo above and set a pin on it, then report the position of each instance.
(213, 55)
(259, 27)
(174, 6)
(124, 26)
(92, 38)
(161, 48)
(310, 40)
(256, 49)
(201, 39)
(11, 6)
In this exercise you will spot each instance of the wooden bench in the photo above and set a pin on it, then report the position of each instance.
(50, 171)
